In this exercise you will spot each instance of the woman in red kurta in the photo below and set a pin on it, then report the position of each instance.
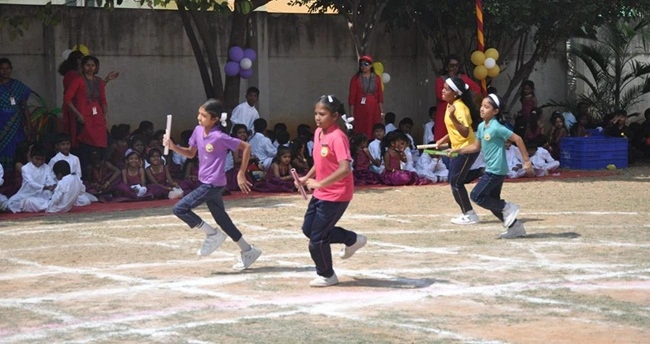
(70, 69)
(86, 99)
(366, 98)
(451, 69)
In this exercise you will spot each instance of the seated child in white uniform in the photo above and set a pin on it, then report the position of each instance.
(515, 161)
(63, 145)
(430, 166)
(38, 181)
(374, 147)
(543, 162)
(65, 194)
(261, 146)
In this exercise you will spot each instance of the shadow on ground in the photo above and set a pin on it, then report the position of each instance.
(566, 235)
(397, 283)
(265, 269)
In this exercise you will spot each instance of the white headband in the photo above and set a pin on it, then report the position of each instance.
(453, 86)
(495, 99)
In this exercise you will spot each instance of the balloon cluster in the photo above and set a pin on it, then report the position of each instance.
(81, 48)
(486, 63)
(379, 70)
(240, 61)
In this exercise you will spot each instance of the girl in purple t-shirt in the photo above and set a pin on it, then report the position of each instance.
(211, 145)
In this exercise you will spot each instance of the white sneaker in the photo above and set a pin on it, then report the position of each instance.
(247, 258)
(348, 251)
(321, 281)
(515, 231)
(469, 218)
(212, 243)
(510, 212)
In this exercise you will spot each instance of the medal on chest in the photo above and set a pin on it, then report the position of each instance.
(209, 148)
(487, 137)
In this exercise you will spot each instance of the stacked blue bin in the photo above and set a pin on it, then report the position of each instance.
(593, 152)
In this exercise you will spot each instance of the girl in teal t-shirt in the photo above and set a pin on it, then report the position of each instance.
(491, 136)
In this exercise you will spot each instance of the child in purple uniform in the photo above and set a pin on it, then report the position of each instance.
(212, 145)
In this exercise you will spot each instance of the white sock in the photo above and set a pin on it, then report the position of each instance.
(243, 245)
(209, 230)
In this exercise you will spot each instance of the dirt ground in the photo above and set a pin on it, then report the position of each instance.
(581, 275)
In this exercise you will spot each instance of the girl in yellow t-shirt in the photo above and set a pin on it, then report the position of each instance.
(461, 118)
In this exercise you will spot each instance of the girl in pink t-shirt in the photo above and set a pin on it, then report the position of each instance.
(333, 185)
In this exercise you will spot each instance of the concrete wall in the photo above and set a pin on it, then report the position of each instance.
(300, 58)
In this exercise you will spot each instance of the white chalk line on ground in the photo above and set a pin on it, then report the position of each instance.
(387, 248)
(322, 307)
(284, 275)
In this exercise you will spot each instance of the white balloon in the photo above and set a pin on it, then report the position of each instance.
(245, 63)
(385, 78)
(489, 63)
(66, 53)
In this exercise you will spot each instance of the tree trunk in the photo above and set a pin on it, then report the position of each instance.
(207, 37)
(237, 38)
(196, 48)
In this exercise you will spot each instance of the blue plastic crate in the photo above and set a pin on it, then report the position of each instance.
(593, 153)
(593, 164)
(592, 143)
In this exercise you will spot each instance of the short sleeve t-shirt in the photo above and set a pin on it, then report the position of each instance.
(464, 117)
(493, 139)
(330, 147)
(211, 151)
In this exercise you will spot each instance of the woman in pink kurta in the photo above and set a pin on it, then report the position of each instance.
(366, 98)
(451, 69)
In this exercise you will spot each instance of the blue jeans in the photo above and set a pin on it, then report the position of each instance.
(319, 226)
(211, 196)
(487, 193)
(459, 175)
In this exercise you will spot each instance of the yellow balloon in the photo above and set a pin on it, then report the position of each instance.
(493, 53)
(82, 49)
(494, 71)
(477, 58)
(379, 68)
(480, 72)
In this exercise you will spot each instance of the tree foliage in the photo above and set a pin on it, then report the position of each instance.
(529, 30)
(15, 25)
(614, 76)
(362, 16)
(197, 17)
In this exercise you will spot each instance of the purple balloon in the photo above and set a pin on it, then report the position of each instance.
(236, 53)
(246, 73)
(250, 53)
(231, 68)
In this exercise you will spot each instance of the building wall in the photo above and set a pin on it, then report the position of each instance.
(300, 57)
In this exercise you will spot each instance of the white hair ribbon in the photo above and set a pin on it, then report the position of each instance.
(495, 99)
(453, 86)
(224, 119)
(348, 121)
